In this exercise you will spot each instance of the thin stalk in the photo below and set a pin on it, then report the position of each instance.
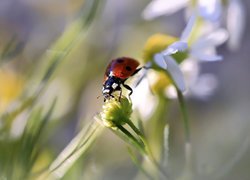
(153, 160)
(148, 153)
(183, 109)
(139, 166)
(134, 128)
(188, 148)
(134, 140)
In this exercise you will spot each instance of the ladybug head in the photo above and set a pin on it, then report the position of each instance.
(110, 85)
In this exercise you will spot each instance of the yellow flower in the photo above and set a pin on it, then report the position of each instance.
(160, 83)
(165, 53)
(10, 88)
(155, 44)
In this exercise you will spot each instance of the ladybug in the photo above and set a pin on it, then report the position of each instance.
(117, 72)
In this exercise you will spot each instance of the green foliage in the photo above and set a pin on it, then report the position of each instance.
(18, 156)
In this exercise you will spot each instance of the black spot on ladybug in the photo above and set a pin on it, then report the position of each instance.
(128, 68)
(120, 60)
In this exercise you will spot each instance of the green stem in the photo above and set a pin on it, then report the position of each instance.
(138, 164)
(184, 115)
(135, 129)
(188, 148)
(148, 151)
(132, 139)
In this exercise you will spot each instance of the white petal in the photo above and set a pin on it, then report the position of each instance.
(236, 21)
(160, 61)
(188, 29)
(175, 72)
(210, 9)
(190, 69)
(175, 47)
(207, 57)
(162, 7)
(218, 37)
(214, 39)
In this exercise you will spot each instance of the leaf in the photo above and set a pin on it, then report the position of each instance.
(76, 148)
(138, 164)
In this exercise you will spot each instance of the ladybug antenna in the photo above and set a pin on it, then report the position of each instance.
(146, 67)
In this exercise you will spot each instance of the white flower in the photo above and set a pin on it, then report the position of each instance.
(203, 49)
(209, 10)
(165, 61)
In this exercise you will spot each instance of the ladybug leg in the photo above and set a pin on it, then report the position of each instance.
(118, 88)
(128, 88)
(120, 95)
(110, 95)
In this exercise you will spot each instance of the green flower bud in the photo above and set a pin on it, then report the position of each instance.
(116, 112)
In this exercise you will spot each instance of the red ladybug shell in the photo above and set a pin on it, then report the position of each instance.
(121, 68)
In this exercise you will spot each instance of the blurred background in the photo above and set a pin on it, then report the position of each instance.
(29, 33)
